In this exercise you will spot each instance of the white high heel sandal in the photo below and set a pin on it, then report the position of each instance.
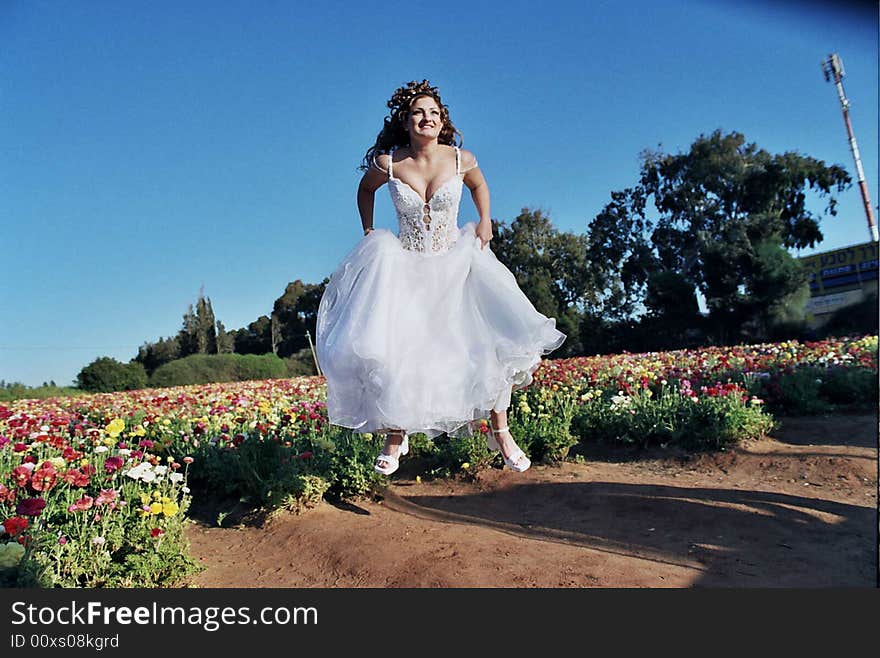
(392, 462)
(517, 461)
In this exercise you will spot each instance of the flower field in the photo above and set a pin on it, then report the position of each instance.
(94, 490)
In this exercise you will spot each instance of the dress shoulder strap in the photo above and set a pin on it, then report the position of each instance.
(457, 160)
(391, 163)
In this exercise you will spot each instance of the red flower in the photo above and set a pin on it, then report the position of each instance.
(19, 447)
(113, 464)
(30, 506)
(15, 525)
(44, 477)
(156, 532)
(76, 478)
(305, 455)
(70, 454)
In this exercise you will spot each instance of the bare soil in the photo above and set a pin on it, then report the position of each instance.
(794, 509)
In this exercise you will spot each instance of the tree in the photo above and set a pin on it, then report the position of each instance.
(225, 341)
(153, 355)
(726, 213)
(294, 313)
(256, 338)
(198, 335)
(105, 374)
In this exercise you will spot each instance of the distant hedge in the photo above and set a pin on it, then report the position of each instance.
(207, 368)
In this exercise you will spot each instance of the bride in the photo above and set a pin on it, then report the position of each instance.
(426, 331)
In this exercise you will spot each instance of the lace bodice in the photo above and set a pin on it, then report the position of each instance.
(427, 226)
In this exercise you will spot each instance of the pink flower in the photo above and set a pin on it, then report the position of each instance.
(81, 505)
(106, 496)
(21, 475)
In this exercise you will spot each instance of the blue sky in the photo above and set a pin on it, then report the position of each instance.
(151, 149)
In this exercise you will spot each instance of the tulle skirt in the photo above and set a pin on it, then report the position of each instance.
(426, 342)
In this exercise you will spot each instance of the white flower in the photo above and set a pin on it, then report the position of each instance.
(29, 466)
(10, 554)
(160, 470)
(101, 449)
(175, 477)
(125, 452)
(142, 471)
(98, 541)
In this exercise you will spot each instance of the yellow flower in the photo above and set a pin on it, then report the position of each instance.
(156, 508)
(419, 479)
(157, 495)
(139, 431)
(84, 462)
(466, 465)
(115, 427)
(170, 509)
(58, 462)
(108, 441)
(166, 421)
(145, 499)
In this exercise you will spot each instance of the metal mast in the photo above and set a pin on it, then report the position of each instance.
(833, 68)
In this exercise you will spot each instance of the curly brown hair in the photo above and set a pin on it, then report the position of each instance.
(394, 131)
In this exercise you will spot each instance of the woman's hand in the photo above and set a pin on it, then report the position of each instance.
(484, 232)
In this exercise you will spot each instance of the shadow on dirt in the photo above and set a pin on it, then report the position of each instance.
(735, 537)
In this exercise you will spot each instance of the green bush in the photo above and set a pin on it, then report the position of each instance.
(445, 456)
(847, 386)
(105, 375)
(301, 364)
(285, 471)
(19, 391)
(707, 422)
(208, 368)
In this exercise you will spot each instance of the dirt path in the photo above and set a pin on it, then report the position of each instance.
(798, 509)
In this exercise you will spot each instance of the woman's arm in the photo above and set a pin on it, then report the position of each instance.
(373, 179)
(476, 183)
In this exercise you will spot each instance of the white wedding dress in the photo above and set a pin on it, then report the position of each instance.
(424, 330)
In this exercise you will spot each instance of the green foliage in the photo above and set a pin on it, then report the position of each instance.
(206, 368)
(669, 418)
(540, 419)
(19, 391)
(849, 387)
(301, 363)
(446, 456)
(106, 374)
(286, 471)
(811, 390)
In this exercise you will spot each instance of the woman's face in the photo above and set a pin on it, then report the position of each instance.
(424, 118)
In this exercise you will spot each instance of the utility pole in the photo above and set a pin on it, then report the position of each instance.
(314, 355)
(832, 67)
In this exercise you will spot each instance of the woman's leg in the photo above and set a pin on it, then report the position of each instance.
(505, 439)
(392, 442)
